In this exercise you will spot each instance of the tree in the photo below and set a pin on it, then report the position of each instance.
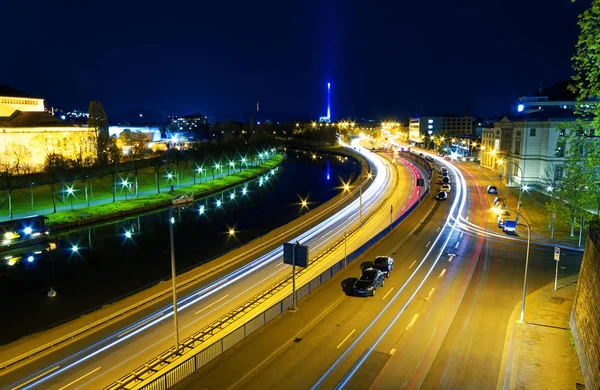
(137, 144)
(97, 120)
(19, 154)
(114, 160)
(578, 187)
(55, 167)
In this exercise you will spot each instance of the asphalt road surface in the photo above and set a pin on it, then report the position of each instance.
(438, 322)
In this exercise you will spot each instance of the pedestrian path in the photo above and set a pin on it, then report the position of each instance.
(539, 353)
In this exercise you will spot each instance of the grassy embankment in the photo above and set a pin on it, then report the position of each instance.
(82, 216)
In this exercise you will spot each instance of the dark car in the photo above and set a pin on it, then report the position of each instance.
(445, 180)
(368, 282)
(444, 173)
(442, 195)
(384, 264)
(498, 201)
(492, 190)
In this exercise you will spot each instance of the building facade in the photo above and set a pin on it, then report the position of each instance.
(28, 134)
(422, 128)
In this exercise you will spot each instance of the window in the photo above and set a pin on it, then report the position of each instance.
(561, 132)
(558, 171)
(517, 147)
(430, 121)
(532, 132)
(518, 133)
(561, 144)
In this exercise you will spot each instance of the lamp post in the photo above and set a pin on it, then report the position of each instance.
(526, 267)
(70, 195)
(173, 276)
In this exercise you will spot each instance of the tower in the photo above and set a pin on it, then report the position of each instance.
(329, 101)
(327, 119)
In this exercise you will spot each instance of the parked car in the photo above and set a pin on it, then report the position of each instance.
(442, 195)
(445, 187)
(429, 158)
(384, 264)
(501, 219)
(445, 180)
(368, 282)
(498, 200)
(492, 190)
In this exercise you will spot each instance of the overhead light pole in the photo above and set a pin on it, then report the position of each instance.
(173, 276)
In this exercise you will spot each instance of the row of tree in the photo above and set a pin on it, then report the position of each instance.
(577, 190)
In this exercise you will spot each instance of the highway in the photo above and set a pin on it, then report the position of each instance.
(103, 357)
(439, 322)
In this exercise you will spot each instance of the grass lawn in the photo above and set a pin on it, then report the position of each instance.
(93, 213)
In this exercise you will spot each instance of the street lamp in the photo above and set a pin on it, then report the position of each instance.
(70, 194)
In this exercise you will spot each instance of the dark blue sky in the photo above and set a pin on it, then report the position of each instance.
(220, 57)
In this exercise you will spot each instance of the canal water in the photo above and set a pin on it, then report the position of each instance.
(90, 267)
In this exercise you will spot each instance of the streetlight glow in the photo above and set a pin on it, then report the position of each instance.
(75, 248)
(525, 187)
(550, 188)
(70, 190)
(127, 234)
(201, 210)
(232, 196)
(244, 191)
(231, 231)
(218, 202)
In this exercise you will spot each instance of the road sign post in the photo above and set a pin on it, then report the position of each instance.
(295, 255)
(557, 259)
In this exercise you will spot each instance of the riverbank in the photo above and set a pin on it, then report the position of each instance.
(94, 214)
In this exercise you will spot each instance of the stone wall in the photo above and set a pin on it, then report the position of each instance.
(585, 317)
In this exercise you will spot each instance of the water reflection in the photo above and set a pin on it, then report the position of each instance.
(91, 266)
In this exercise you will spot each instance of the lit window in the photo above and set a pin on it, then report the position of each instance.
(430, 121)
(430, 127)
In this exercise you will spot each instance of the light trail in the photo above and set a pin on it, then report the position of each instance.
(317, 236)
(457, 208)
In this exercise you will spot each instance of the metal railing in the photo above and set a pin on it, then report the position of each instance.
(145, 373)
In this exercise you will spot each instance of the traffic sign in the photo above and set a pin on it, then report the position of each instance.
(556, 253)
(295, 254)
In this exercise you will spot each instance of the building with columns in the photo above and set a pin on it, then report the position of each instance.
(28, 134)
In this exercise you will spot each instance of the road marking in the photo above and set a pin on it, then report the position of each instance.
(461, 234)
(36, 378)
(413, 263)
(430, 293)
(429, 242)
(140, 325)
(393, 351)
(80, 378)
(215, 302)
(388, 293)
(280, 264)
(438, 229)
(467, 218)
(412, 322)
(344, 340)
(442, 273)
(450, 257)
(457, 244)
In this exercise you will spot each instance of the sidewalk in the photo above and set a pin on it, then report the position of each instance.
(539, 353)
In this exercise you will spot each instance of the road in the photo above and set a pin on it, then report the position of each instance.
(101, 358)
(442, 325)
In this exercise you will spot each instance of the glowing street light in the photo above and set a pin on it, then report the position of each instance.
(75, 248)
(525, 187)
(260, 181)
(199, 170)
(127, 234)
(169, 176)
(314, 156)
(550, 188)
(370, 176)
(232, 196)
(27, 230)
(70, 194)
(231, 231)
(244, 190)
(201, 210)
(218, 202)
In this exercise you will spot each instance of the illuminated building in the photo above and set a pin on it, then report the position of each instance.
(327, 119)
(29, 134)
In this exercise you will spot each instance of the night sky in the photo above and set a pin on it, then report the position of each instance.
(219, 57)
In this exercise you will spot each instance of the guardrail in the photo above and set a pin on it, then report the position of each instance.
(171, 376)
(167, 292)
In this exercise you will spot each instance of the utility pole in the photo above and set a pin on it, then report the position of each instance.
(173, 277)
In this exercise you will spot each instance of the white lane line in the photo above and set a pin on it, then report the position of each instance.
(280, 264)
(140, 325)
(215, 302)
(393, 351)
(413, 263)
(457, 244)
(467, 218)
(442, 273)
(387, 293)
(461, 234)
(430, 293)
(36, 378)
(412, 322)
(438, 229)
(80, 378)
(344, 340)
(450, 257)
(429, 242)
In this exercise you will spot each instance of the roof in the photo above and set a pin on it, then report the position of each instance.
(32, 119)
(546, 113)
(7, 91)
